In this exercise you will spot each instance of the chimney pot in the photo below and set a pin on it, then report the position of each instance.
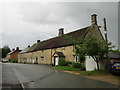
(94, 19)
(17, 48)
(13, 49)
(38, 41)
(61, 32)
(28, 46)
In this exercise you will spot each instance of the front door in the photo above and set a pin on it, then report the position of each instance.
(36, 60)
(56, 60)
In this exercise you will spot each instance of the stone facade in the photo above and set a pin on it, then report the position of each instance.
(47, 56)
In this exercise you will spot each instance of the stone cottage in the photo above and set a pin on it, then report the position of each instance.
(49, 51)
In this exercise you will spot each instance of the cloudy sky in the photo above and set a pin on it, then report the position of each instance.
(23, 23)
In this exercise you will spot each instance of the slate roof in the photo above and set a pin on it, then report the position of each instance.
(60, 54)
(113, 55)
(13, 52)
(24, 50)
(59, 41)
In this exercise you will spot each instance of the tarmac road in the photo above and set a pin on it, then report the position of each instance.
(0, 75)
(43, 76)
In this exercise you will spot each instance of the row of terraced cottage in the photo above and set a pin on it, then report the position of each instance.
(49, 51)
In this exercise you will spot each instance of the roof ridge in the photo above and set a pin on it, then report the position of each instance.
(64, 34)
(58, 41)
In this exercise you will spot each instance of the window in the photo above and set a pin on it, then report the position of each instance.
(76, 58)
(63, 48)
(42, 58)
(74, 49)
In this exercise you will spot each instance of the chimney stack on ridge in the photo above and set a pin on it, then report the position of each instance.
(61, 32)
(94, 19)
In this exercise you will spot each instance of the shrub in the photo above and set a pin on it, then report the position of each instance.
(62, 62)
(76, 65)
(69, 63)
(12, 61)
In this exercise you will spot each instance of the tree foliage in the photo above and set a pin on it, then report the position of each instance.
(90, 46)
(5, 51)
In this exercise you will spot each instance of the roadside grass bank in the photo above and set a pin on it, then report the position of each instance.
(94, 72)
(83, 73)
(101, 75)
(66, 68)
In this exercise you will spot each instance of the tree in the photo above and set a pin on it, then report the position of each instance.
(90, 46)
(80, 53)
(0, 53)
(116, 51)
(5, 51)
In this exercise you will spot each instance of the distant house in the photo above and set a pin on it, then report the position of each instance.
(49, 51)
(13, 54)
(112, 58)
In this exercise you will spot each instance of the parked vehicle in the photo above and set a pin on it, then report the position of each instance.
(3, 60)
(116, 68)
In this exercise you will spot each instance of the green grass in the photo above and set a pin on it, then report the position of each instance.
(94, 72)
(67, 68)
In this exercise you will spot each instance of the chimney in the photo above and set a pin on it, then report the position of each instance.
(13, 49)
(28, 46)
(61, 32)
(94, 19)
(38, 41)
(17, 48)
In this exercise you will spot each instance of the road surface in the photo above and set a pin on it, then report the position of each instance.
(0, 75)
(43, 76)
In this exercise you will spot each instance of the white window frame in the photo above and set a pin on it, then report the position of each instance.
(63, 48)
(76, 58)
(42, 58)
(73, 49)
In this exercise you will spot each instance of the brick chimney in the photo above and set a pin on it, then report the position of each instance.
(61, 32)
(17, 48)
(38, 41)
(94, 19)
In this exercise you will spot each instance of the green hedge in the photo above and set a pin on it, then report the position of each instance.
(12, 61)
(67, 68)
(76, 65)
(62, 62)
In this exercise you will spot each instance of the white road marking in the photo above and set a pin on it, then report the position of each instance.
(56, 71)
(22, 85)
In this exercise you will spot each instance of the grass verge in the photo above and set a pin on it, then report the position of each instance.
(67, 68)
(94, 72)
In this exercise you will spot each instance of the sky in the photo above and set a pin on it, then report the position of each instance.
(23, 22)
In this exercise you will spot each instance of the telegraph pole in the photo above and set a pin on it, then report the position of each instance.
(105, 28)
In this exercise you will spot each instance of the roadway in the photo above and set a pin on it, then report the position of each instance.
(43, 76)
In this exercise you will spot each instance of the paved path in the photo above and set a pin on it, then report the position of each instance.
(42, 76)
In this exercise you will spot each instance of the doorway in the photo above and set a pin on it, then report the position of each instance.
(56, 61)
